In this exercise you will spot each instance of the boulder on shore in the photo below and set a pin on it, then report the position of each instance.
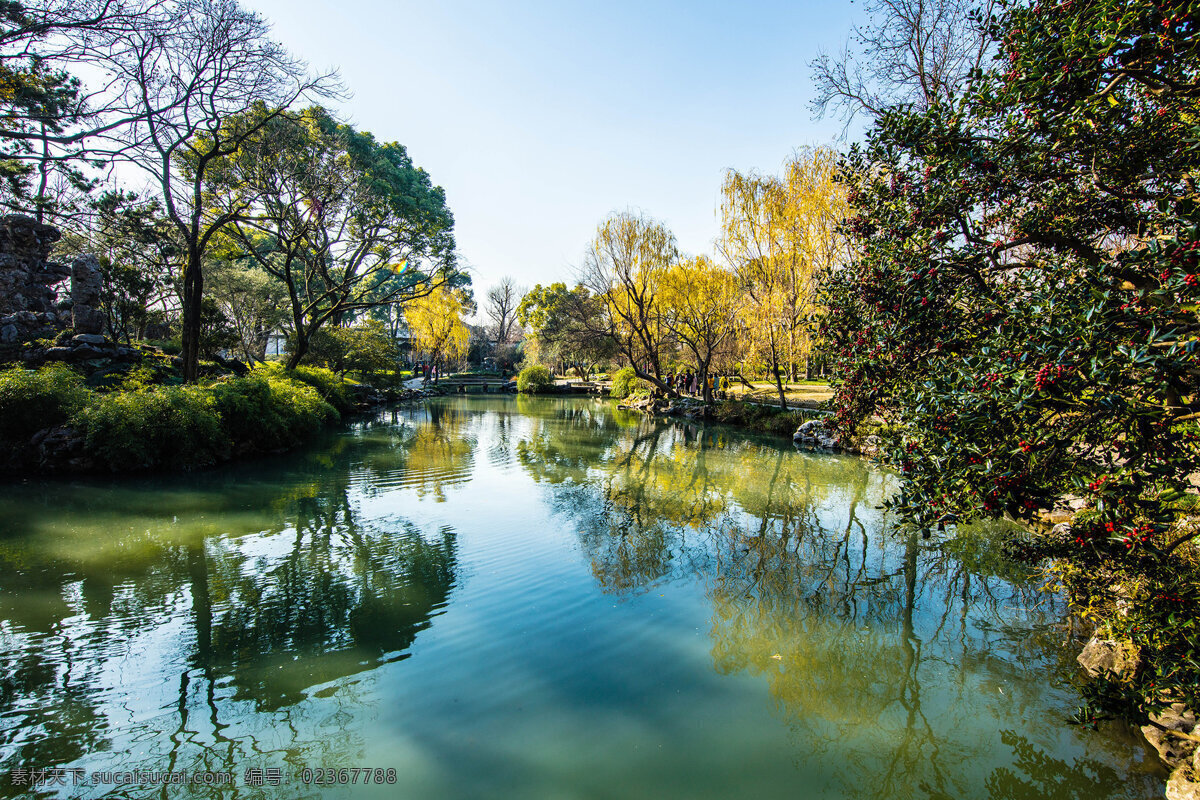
(1101, 656)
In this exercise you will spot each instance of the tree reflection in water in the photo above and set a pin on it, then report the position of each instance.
(244, 592)
(846, 619)
(238, 618)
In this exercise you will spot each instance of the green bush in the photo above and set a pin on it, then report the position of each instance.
(261, 412)
(623, 383)
(534, 379)
(31, 400)
(332, 389)
(176, 427)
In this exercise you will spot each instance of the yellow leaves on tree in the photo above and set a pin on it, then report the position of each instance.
(778, 233)
(624, 268)
(436, 326)
(701, 303)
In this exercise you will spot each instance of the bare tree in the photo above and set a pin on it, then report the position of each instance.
(200, 63)
(910, 52)
(502, 309)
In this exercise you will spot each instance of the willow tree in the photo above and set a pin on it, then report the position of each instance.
(436, 326)
(702, 310)
(345, 222)
(778, 233)
(624, 267)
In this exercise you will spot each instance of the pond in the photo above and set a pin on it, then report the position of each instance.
(529, 598)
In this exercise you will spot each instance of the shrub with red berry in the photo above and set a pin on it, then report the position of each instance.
(1021, 307)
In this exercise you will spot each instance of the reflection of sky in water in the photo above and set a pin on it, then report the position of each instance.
(534, 598)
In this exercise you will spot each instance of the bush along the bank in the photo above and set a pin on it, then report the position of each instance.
(31, 400)
(534, 379)
(1020, 308)
(143, 425)
(624, 381)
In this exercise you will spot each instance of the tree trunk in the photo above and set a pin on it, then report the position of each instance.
(301, 348)
(193, 294)
(779, 383)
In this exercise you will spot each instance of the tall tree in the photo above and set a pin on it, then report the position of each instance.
(502, 309)
(345, 222)
(778, 233)
(254, 303)
(624, 267)
(48, 117)
(203, 63)
(437, 328)
(702, 309)
(562, 327)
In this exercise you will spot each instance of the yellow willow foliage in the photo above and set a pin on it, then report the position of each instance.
(701, 303)
(435, 323)
(779, 233)
(624, 266)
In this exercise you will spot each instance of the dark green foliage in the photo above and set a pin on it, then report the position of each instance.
(1021, 307)
(32, 400)
(624, 381)
(567, 325)
(171, 427)
(142, 423)
(366, 348)
(534, 379)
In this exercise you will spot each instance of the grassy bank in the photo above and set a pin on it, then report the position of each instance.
(50, 420)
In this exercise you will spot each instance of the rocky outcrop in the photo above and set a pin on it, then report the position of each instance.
(813, 433)
(60, 449)
(27, 280)
(1162, 734)
(1108, 657)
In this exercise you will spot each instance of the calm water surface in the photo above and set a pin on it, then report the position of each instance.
(518, 598)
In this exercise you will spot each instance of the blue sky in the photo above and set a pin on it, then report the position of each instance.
(541, 118)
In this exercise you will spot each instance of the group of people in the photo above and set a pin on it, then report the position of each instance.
(689, 383)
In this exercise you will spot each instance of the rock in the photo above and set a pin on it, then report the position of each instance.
(1173, 750)
(26, 277)
(59, 354)
(86, 284)
(1101, 656)
(89, 338)
(60, 446)
(808, 428)
(1061, 531)
(1182, 784)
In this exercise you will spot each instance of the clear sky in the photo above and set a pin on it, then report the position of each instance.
(541, 118)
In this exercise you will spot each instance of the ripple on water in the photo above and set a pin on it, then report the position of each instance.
(520, 597)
